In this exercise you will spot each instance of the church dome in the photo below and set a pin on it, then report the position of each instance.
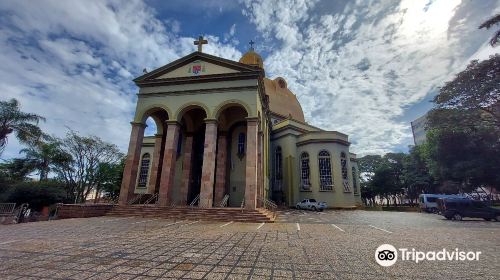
(252, 58)
(282, 101)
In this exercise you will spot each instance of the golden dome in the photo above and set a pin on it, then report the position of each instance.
(252, 58)
(282, 101)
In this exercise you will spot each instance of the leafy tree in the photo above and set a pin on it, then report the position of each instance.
(111, 179)
(13, 120)
(44, 156)
(470, 158)
(417, 177)
(87, 155)
(14, 170)
(488, 24)
(474, 93)
(37, 194)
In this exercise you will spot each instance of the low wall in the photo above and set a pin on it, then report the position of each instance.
(66, 211)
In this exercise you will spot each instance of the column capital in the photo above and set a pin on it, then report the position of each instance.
(172, 122)
(252, 119)
(211, 121)
(139, 124)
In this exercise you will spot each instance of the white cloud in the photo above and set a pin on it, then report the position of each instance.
(73, 61)
(357, 70)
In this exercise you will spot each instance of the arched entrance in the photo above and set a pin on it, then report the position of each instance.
(192, 140)
(137, 178)
(231, 155)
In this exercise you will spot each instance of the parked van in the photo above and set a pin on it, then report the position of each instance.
(428, 202)
(456, 209)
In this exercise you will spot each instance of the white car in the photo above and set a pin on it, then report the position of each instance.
(311, 204)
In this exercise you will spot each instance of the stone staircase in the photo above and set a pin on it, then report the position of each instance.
(194, 213)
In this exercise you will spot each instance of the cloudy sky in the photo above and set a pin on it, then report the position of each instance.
(366, 68)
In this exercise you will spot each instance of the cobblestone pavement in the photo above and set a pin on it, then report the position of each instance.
(331, 245)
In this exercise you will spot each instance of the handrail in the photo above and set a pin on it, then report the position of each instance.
(7, 208)
(269, 205)
(135, 199)
(21, 211)
(242, 206)
(151, 198)
(194, 200)
(224, 201)
(173, 204)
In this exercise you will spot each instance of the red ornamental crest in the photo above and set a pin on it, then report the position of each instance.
(196, 69)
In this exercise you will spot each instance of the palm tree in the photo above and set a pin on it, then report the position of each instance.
(24, 125)
(43, 156)
(494, 20)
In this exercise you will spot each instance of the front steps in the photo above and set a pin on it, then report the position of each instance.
(194, 213)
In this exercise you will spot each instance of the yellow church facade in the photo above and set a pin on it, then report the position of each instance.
(227, 136)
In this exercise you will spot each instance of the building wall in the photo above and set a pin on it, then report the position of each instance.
(148, 147)
(335, 198)
(419, 130)
(210, 96)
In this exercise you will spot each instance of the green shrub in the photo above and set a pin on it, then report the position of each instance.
(37, 194)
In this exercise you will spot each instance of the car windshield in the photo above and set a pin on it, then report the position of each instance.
(312, 200)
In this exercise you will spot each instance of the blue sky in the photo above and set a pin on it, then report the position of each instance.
(365, 68)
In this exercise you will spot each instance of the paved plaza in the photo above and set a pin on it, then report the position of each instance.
(301, 245)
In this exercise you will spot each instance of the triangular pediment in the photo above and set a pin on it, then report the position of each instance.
(196, 65)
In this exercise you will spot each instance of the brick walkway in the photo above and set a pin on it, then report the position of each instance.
(135, 248)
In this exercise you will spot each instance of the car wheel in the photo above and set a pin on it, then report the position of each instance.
(448, 217)
(487, 219)
(497, 218)
(457, 217)
(434, 210)
(320, 210)
(314, 208)
(298, 207)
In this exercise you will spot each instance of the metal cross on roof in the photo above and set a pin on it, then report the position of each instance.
(200, 42)
(251, 44)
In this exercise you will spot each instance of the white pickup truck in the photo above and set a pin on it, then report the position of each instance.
(311, 204)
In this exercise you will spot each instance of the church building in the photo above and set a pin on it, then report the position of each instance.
(228, 136)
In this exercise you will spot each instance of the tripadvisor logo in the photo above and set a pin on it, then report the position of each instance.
(387, 255)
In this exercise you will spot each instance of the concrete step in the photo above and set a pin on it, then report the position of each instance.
(214, 214)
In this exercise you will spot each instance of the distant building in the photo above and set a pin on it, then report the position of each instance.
(419, 130)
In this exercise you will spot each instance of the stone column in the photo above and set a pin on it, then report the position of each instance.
(153, 178)
(251, 164)
(132, 162)
(186, 169)
(208, 169)
(260, 177)
(220, 171)
(168, 167)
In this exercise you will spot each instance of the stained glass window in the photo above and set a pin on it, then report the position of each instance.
(304, 172)
(241, 144)
(325, 171)
(278, 161)
(143, 173)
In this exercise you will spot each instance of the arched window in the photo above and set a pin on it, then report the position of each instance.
(325, 171)
(143, 172)
(354, 180)
(345, 177)
(305, 183)
(278, 165)
(241, 144)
